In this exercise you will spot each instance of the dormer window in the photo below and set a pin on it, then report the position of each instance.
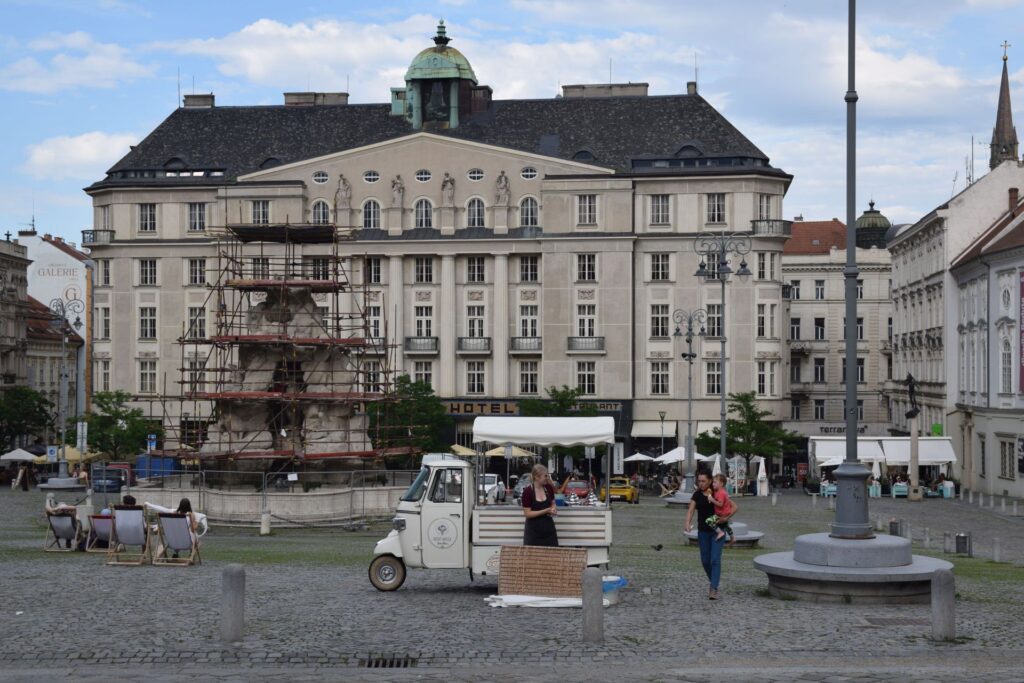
(583, 155)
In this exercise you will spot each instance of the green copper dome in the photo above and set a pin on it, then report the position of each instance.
(440, 61)
(871, 228)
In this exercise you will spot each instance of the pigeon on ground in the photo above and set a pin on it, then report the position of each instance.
(658, 547)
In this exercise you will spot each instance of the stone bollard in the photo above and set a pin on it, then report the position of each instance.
(947, 542)
(593, 606)
(879, 523)
(1014, 508)
(232, 614)
(907, 532)
(943, 605)
(981, 499)
(265, 524)
(814, 500)
(775, 498)
(1002, 506)
(995, 549)
(927, 539)
(970, 496)
(992, 502)
(831, 502)
(961, 493)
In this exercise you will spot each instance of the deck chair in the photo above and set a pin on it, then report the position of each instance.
(176, 537)
(128, 529)
(61, 526)
(101, 526)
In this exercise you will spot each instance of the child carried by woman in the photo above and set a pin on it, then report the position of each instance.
(724, 509)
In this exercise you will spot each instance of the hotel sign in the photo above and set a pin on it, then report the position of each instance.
(511, 408)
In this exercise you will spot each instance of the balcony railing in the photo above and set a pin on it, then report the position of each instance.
(90, 237)
(586, 344)
(421, 344)
(474, 345)
(526, 345)
(772, 227)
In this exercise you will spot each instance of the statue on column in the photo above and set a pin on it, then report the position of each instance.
(397, 192)
(448, 190)
(911, 383)
(343, 195)
(502, 192)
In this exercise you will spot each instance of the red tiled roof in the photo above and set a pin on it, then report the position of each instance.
(59, 243)
(816, 237)
(38, 324)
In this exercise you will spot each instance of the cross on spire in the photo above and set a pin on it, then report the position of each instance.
(1005, 45)
(8, 235)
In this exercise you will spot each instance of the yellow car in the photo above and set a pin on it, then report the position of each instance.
(622, 489)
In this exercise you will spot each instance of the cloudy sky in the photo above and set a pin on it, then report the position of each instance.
(81, 80)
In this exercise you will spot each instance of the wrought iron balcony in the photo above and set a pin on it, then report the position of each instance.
(421, 344)
(91, 237)
(586, 344)
(474, 345)
(772, 227)
(526, 345)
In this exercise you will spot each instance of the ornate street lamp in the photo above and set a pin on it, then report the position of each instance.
(61, 311)
(689, 319)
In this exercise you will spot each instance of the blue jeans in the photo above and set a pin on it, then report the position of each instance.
(711, 555)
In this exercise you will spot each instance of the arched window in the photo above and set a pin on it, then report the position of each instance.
(475, 213)
(424, 213)
(1007, 368)
(528, 214)
(321, 212)
(371, 215)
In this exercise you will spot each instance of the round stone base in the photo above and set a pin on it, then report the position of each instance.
(878, 551)
(745, 538)
(62, 484)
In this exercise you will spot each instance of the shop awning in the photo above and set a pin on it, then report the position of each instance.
(544, 431)
(931, 450)
(831, 450)
(648, 429)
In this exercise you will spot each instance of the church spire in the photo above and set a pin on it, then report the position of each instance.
(1004, 135)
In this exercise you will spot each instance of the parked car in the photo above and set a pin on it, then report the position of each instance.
(111, 477)
(622, 489)
(493, 483)
(578, 486)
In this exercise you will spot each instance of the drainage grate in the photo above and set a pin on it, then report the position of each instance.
(897, 621)
(393, 662)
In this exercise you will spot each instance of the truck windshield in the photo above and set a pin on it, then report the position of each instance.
(415, 491)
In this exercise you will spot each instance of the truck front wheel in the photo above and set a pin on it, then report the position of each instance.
(387, 573)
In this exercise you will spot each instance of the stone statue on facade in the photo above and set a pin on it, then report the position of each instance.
(343, 195)
(397, 192)
(447, 190)
(502, 192)
(911, 383)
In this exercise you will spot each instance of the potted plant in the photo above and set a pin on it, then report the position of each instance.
(812, 485)
(885, 484)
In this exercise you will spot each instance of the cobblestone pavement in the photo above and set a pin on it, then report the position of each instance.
(311, 612)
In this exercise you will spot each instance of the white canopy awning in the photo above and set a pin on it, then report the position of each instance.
(544, 431)
(17, 455)
(828, 449)
(652, 429)
(677, 454)
(931, 450)
(638, 457)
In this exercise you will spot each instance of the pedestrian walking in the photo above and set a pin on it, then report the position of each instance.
(710, 547)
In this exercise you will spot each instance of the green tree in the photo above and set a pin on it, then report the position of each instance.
(23, 412)
(748, 434)
(115, 429)
(412, 416)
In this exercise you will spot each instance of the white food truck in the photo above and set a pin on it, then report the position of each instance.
(442, 522)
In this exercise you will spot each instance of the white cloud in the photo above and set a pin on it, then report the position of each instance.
(77, 61)
(86, 156)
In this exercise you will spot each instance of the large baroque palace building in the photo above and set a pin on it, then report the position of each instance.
(505, 246)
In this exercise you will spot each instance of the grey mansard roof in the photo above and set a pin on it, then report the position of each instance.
(616, 130)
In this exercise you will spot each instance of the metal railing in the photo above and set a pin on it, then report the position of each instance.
(475, 344)
(97, 237)
(421, 344)
(586, 343)
(526, 344)
(772, 226)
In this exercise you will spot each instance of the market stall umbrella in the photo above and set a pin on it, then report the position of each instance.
(705, 458)
(461, 450)
(516, 452)
(762, 479)
(677, 454)
(72, 454)
(717, 469)
(17, 455)
(876, 470)
(638, 457)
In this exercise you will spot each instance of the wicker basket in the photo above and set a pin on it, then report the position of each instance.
(539, 570)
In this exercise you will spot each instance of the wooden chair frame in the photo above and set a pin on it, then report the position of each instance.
(53, 545)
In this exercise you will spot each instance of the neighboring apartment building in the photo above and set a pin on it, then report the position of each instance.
(13, 302)
(989, 276)
(506, 245)
(43, 358)
(815, 292)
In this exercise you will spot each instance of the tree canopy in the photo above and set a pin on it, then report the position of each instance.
(115, 429)
(23, 412)
(412, 417)
(748, 434)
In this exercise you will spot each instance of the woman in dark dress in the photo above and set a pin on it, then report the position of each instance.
(539, 509)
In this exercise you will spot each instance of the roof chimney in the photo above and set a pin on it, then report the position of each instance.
(1014, 200)
(605, 90)
(312, 99)
(204, 100)
(691, 87)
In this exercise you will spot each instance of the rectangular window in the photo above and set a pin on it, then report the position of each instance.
(714, 328)
(659, 209)
(424, 321)
(529, 268)
(261, 212)
(861, 371)
(103, 322)
(147, 271)
(423, 371)
(475, 321)
(771, 319)
(794, 289)
(860, 289)
(819, 290)
(196, 322)
(860, 329)
(528, 376)
(373, 322)
(890, 329)
(324, 312)
(761, 321)
(195, 374)
(659, 267)
(105, 218)
(982, 460)
(147, 217)
(711, 266)
(475, 377)
(371, 376)
(1007, 460)
(762, 265)
(771, 266)
(104, 375)
(197, 271)
(794, 328)
(586, 267)
(147, 376)
(528, 320)
(819, 329)
(795, 371)
(586, 320)
(196, 217)
(659, 320)
(764, 206)
(586, 377)
(860, 409)
(659, 378)
(261, 268)
(105, 272)
(716, 207)
(762, 378)
(373, 270)
(888, 367)
(147, 322)
(713, 378)
(424, 270)
(586, 209)
(318, 268)
(819, 370)
(819, 409)
(475, 269)
(794, 409)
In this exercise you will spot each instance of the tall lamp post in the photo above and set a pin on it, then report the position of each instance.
(661, 415)
(714, 249)
(61, 310)
(688, 319)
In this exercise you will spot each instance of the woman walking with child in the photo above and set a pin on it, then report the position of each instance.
(702, 504)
